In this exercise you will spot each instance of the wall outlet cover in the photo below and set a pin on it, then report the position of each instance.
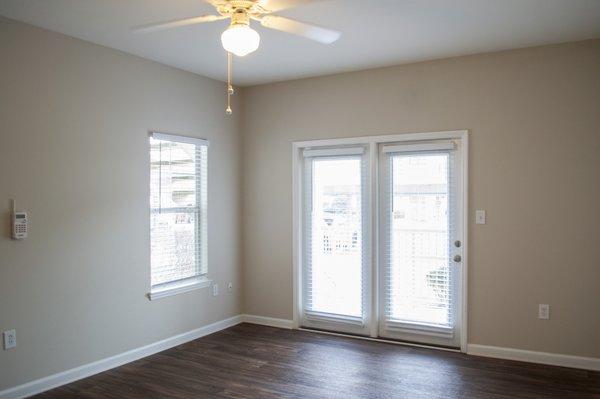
(10, 339)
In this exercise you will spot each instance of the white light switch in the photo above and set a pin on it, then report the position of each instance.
(479, 216)
(215, 289)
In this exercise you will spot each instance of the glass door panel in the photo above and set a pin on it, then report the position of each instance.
(419, 280)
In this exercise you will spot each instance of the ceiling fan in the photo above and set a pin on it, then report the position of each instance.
(239, 38)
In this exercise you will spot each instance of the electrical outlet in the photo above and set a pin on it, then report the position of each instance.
(544, 311)
(230, 287)
(215, 289)
(10, 339)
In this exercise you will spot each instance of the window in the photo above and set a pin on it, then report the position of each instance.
(178, 191)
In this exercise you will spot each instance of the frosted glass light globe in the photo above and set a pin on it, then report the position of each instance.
(240, 40)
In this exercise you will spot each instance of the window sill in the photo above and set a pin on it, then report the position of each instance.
(178, 287)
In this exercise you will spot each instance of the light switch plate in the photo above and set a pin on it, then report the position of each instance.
(479, 216)
(544, 311)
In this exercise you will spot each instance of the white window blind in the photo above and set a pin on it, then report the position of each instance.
(438, 145)
(178, 202)
(418, 271)
(335, 257)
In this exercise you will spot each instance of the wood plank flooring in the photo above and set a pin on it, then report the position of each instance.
(250, 361)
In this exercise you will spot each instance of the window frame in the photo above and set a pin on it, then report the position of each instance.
(199, 280)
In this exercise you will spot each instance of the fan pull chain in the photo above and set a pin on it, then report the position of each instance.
(230, 91)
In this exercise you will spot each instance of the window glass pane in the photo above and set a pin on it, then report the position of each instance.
(336, 237)
(419, 273)
(173, 174)
(178, 191)
(174, 247)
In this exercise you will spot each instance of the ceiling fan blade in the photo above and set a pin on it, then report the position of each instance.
(153, 27)
(278, 5)
(321, 35)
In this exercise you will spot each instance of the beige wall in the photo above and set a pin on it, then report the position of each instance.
(73, 152)
(534, 122)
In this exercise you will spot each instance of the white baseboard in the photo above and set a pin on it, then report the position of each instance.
(554, 359)
(86, 370)
(268, 321)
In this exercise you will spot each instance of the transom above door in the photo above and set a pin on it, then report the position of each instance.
(379, 237)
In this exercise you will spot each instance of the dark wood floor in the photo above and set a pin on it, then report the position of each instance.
(249, 361)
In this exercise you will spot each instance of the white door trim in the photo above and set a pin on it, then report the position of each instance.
(373, 142)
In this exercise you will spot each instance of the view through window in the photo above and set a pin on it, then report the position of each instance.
(420, 275)
(336, 246)
(178, 210)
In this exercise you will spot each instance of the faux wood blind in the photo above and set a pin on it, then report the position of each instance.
(335, 248)
(178, 202)
(418, 278)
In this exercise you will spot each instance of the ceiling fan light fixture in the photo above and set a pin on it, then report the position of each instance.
(240, 40)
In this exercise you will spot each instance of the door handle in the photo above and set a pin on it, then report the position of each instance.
(457, 258)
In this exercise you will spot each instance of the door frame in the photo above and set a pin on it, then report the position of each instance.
(372, 143)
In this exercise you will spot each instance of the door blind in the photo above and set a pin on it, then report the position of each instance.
(418, 274)
(178, 202)
(335, 209)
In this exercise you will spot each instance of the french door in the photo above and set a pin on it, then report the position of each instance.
(382, 240)
(337, 265)
(420, 243)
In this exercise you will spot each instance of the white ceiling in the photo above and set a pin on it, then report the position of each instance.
(374, 32)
